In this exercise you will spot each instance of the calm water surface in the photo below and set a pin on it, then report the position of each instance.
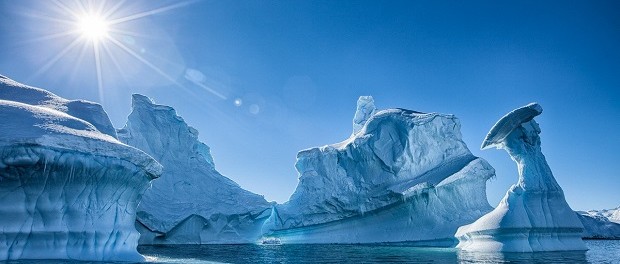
(601, 251)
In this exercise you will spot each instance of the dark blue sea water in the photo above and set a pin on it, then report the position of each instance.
(601, 251)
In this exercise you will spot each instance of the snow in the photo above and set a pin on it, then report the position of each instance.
(612, 215)
(403, 176)
(598, 226)
(533, 216)
(68, 188)
(191, 203)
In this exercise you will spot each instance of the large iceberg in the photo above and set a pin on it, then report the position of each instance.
(402, 176)
(68, 188)
(533, 216)
(191, 203)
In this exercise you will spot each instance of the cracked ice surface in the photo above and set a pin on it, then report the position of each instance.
(402, 176)
(533, 216)
(68, 187)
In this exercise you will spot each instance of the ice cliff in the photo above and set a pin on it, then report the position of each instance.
(191, 203)
(533, 216)
(68, 188)
(402, 176)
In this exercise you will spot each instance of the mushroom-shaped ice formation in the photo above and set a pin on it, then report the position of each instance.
(533, 216)
(508, 123)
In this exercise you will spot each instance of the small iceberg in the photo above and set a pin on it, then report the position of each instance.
(533, 216)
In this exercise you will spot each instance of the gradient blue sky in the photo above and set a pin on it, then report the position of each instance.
(299, 66)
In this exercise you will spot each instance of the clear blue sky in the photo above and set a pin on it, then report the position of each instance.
(299, 66)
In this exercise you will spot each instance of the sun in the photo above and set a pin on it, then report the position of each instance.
(93, 27)
(100, 28)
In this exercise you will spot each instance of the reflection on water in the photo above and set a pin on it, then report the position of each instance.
(303, 253)
(538, 257)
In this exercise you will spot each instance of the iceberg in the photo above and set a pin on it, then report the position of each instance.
(68, 188)
(191, 203)
(533, 216)
(402, 176)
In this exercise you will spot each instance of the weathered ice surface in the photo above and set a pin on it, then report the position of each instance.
(403, 176)
(191, 203)
(68, 188)
(533, 216)
(365, 109)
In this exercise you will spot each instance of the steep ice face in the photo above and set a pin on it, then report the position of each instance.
(365, 109)
(68, 188)
(191, 203)
(533, 216)
(403, 176)
(598, 226)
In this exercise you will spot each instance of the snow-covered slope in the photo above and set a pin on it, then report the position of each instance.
(598, 226)
(191, 202)
(68, 187)
(533, 216)
(403, 176)
(612, 215)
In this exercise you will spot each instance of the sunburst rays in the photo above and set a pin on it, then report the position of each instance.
(97, 28)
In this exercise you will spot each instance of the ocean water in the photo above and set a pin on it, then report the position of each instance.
(600, 251)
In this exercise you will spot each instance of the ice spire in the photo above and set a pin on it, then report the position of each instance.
(365, 109)
(533, 216)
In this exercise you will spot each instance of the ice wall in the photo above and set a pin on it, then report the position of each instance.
(68, 188)
(533, 216)
(191, 203)
(403, 176)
